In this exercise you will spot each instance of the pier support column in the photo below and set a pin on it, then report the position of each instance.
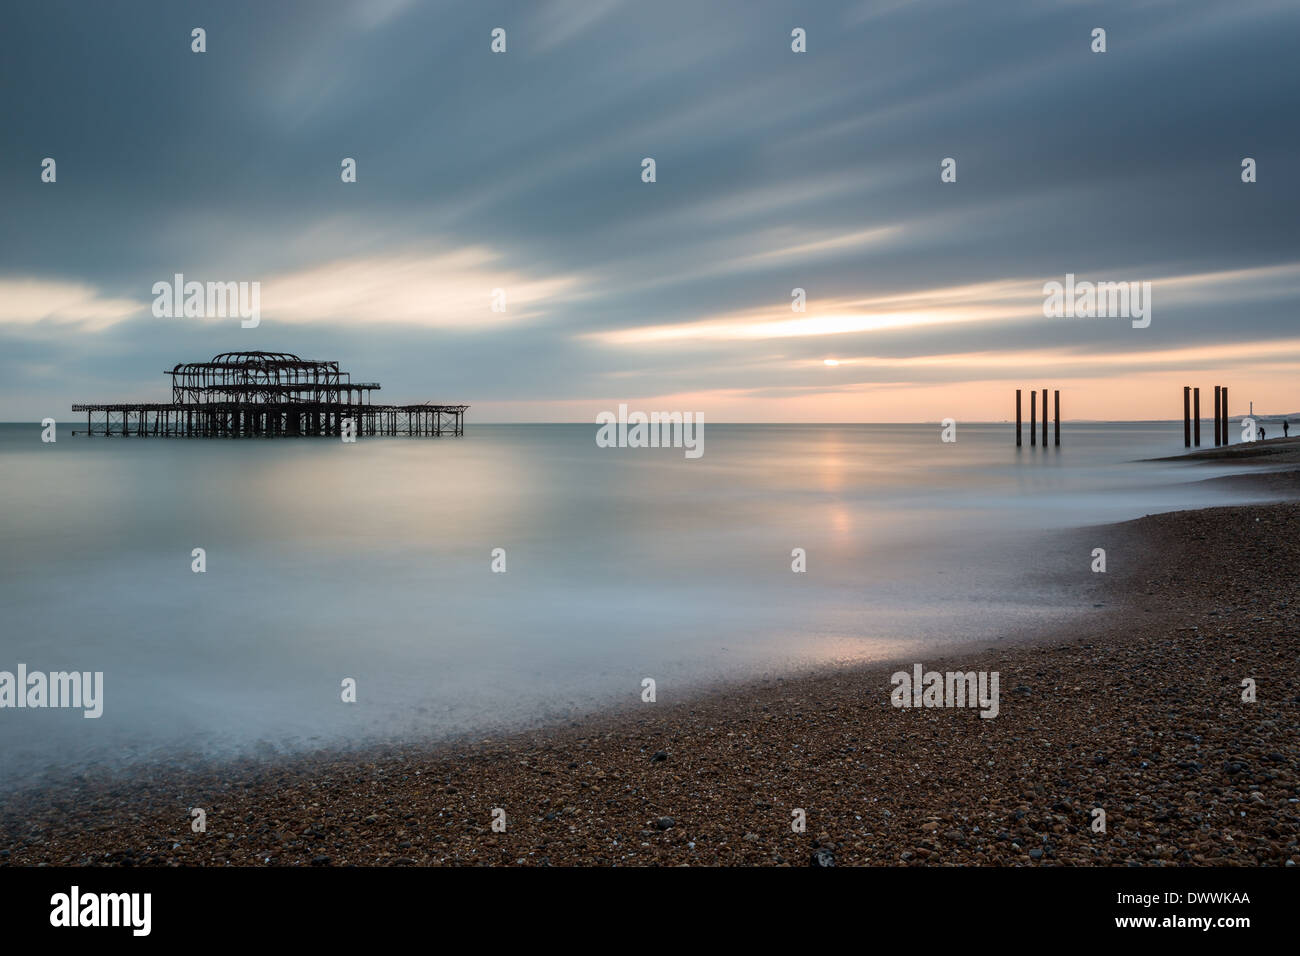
(1017, 418)
(1196, 415)
(1225, 414)
(1218, 405)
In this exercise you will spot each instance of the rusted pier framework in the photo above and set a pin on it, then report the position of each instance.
(268, 395)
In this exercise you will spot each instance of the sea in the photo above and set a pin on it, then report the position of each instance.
(522, 575)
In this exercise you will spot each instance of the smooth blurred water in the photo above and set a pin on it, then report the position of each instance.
(371, 560)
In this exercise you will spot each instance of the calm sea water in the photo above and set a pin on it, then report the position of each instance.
(372, 561)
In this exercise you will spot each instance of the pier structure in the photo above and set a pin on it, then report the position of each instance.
(268, 395)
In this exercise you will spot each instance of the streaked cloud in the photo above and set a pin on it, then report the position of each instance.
(522, 171)
(1003, 300)
(28, 301)
(437, 290)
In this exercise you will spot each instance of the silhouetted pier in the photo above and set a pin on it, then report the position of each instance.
(268, 395)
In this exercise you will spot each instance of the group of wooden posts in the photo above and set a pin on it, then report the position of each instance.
(1033, 417)
(1192, 413)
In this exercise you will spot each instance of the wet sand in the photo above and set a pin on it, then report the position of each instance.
(1137, 711)
(1274, 451)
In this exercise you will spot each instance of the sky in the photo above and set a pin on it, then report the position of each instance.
(774, 170)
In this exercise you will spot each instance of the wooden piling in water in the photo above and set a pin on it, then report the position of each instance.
(1225, 414)
(1218, 430)
(1187, 416)
(1017, 418)
(1196, 415)
(1033, 417)
(1056, 418)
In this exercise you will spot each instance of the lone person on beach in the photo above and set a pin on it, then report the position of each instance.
(1286, 428)
(1262, 434)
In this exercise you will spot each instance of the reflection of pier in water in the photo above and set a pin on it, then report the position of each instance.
(268, 395)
